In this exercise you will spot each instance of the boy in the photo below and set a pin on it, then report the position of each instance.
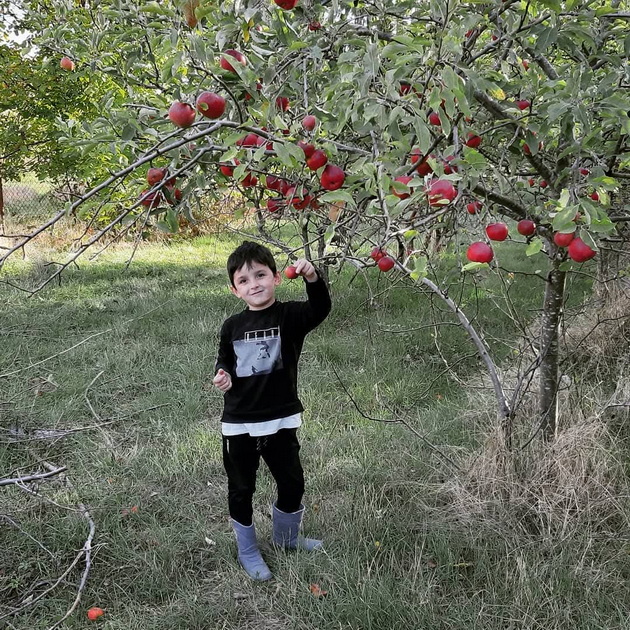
(256, 369)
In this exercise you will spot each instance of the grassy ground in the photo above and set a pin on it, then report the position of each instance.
(403, 548)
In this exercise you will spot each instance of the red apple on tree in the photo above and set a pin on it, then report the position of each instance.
(332, 177)
(210, 105)
(497, 231)
(584, 171)
(155, 175)
(309, 122)
(308, 148)
(377, 253)
(182, 114)
(227, 170)
(66, 64)
(579, 251)
(283, 104)
(314, 26)
(441, 192)
(434, 119)
(275, 204)
(386, 263)
(423, 168)
(153, 199)
(273, 183)
(293, 199)
(473, 140)
(479, 252)
(563, 239)
(250, 140)
(448, 167)
(403, 179)
(249, 181)
(523, 104)
(473, 207)
(526, 227)
(595, 196)
(239, 56)
(317, 160)
(287, 5)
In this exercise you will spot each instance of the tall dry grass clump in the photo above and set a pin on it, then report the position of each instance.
(577, 483)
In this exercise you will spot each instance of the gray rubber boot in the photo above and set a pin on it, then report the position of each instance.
(248, 552)
(286, 531)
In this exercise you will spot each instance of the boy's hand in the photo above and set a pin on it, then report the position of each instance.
(305, 268)
(222, 381)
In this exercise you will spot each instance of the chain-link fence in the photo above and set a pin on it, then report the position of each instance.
(31, 200)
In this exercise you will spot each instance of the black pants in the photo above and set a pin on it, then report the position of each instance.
(281, 453)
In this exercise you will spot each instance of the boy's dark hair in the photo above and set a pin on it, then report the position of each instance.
(246, 254)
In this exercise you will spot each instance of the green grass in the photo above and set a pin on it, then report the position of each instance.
(400, 552)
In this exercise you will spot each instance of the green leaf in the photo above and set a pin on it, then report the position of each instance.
(420, 269)
(474, 265)
(564, 220)
(283, 153)
(330, 233)
(337, 195)
(534, 247)
(171, 220)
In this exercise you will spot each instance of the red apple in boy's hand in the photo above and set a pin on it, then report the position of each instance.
(290, 272)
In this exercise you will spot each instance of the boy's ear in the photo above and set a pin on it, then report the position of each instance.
(277, 279)
(233, 289)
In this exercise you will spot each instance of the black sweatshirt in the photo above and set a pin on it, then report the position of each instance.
(260, 350)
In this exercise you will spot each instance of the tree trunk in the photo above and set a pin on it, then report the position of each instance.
(551, 319)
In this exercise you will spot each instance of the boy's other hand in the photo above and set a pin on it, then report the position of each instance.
(305, 268)
(222, 381)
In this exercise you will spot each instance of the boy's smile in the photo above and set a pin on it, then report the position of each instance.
(255, 284)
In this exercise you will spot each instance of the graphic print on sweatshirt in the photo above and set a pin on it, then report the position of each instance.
(258, 352)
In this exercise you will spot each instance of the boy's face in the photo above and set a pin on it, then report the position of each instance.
(255, 284)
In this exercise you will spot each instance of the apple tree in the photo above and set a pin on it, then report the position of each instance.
(385, 132)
